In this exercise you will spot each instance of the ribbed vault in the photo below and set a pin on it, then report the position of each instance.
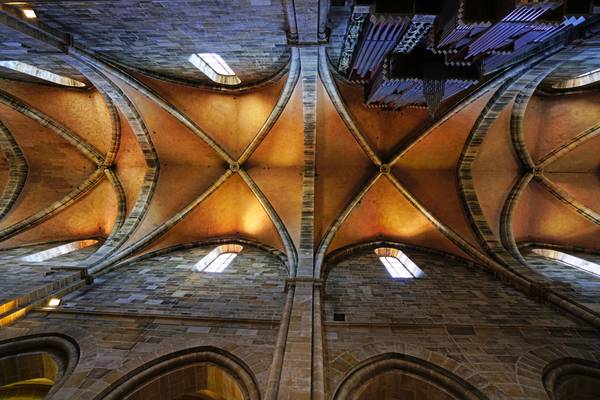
(146, 160)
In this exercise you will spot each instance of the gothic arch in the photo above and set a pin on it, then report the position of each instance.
(425, 373)
(539, 368)
(50, 358)
(185, 362)
(571, 379)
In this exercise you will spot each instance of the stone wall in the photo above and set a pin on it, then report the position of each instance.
(457, 317)
(572, 283)
(158, 306)
(251, 287)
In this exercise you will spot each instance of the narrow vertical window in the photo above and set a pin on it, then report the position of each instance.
(398, 264)
(218, 259)
(569, 260)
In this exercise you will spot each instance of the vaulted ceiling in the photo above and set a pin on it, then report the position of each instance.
(149, 156)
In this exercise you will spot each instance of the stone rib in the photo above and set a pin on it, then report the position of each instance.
(18, 170)
(286, 94)
(119, 73)
(337, 223)
(67, 134)
(121, 201)
(445, 230)
(53, 209)
(569, 200)
(111, 155)
(290, 249)
(162, 229)
(138, 126)
(506, 216)
(572, 144)
(342, 110)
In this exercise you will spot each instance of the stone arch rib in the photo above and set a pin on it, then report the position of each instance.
(340, 106)
(137, 124)
(288, 244)
(572, 144)
(569, 200)
(63, 350)
(506, 216)
(115, 71)
(111, 155)
(512, 85)
(160, 230)
(339, 220)
(67, 134)
(54, 208)
(227, 361)
(284, 98)
(121, 201)
(426, 370)
(18, 169)
(209, 242)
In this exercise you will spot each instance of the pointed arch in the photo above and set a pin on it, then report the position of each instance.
(166, 365)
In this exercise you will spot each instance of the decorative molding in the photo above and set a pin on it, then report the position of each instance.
(355, 26)
(419, 27)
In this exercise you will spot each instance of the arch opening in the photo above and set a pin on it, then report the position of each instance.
(203, 381)
(35, 367)
(399, 376)
(204, 373)
(572, 379)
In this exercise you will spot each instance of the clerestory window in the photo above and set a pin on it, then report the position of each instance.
(59, 250)
(569, 260)
(41, 73)
(398, 264)
(213, 66)
(218, 259)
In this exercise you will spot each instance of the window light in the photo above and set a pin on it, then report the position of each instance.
(41, 73)
(218, 259)
(570, 260)
(398, 264)
(587, 78)
(29, 13)
(596, 71)
(59, 250)
(213, 66)
(54, 302)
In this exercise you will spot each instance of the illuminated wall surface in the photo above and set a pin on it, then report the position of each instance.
(300, 200)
